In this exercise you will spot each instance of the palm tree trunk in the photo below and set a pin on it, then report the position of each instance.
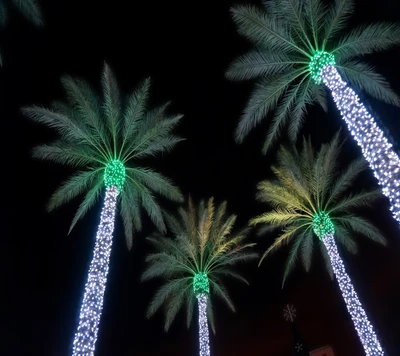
(204, 342)
(362, 325)
(375, 147)
(92, 306)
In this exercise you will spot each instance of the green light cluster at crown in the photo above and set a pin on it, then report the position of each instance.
(114, 174)
(200, 284)
(322, 224)
(318, 62)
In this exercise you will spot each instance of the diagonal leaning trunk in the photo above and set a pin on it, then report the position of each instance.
(362, 325)
(204, 343)
(92, 306)
(376, 149)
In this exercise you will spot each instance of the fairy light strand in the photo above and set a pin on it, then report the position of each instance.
(204, 343)
(91, 309)
(362, 325)
(375, 147)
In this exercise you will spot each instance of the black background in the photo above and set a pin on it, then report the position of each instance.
(185, 47)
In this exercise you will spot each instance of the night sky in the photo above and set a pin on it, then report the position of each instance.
(185, 47)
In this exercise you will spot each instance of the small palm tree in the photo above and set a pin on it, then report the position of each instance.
(28, 8)
(193, 263)
(296, 49)
(105, 138)
(310, 199)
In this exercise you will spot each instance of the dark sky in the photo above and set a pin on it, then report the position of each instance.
(185, 46)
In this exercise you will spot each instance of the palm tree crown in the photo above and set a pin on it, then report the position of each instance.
(28, 8)
(310, 196)
(202, 252)
(105, 138)
(293, 41)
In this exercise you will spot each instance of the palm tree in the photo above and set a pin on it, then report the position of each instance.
(193, 263)
(105, 138)
(310, 197)
(28, 8)
(296, 49)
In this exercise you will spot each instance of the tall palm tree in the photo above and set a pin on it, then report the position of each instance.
(310, 199)
(105, 137)
(28, 8)
(296, 49)
(193, 263)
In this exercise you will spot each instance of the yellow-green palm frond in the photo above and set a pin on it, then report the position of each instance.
(293, 206)
(202, 242)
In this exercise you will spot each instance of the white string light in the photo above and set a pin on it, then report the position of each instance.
(92, 306)
(362, 325)
(203, 325)
(376, 149)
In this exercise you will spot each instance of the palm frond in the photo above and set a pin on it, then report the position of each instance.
(307, 248)
(262, 30)
(90, 199)
(336, 19)
(220, 291)
(362, 226)
(174, 286)
(30, 10)
(257, 64)
(3, 14)
(291, 261)
(368, 39)
(365, 77)
(74, 186)
(156, 182)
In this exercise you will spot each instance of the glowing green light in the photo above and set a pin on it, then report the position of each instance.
(318, 62)
(200, 284)
(114, 174)
(322, 224)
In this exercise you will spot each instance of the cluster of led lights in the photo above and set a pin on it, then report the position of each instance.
(114, 174)
(92, 306)
(320, 60)
(322, 224)
(201, 284)
(362, 325)
(204, 345)
(376, 149)
(201, 288)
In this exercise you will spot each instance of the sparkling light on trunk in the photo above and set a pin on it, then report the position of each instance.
(375, 147)
(362, 325)
(203, 325)
(91, 309)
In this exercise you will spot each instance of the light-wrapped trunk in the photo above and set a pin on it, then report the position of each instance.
(204, 343)
(376, 149)
(92, 306)
(362, 325)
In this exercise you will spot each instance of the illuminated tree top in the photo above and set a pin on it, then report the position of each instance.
(322, 224)
(311, 198)
(196, 260)
(114, 174)
(105, 137)
(319, 60)
(292, 41)
(201, 284)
